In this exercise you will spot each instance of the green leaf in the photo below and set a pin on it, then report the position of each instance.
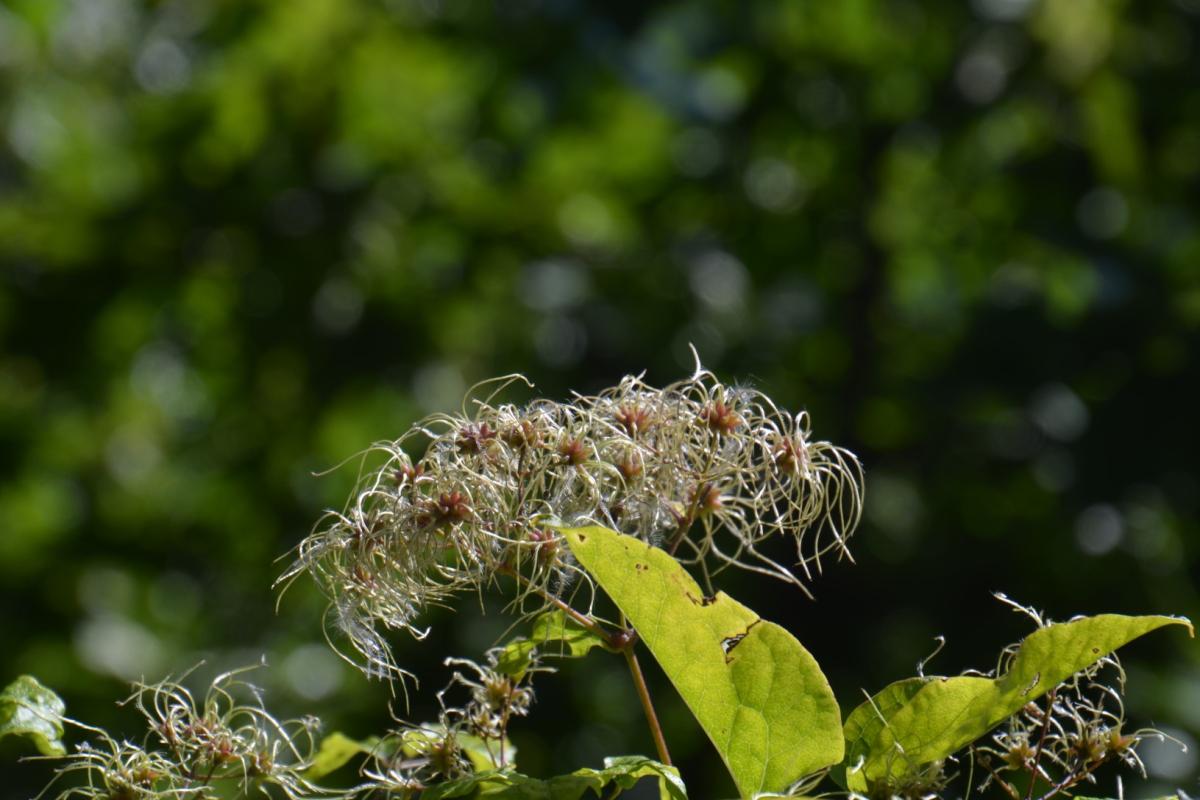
(335, 751)
(27, 708)
(919, 723)
(622, 773)
(865, 722)
(550, 629)
(758, 694)
(484, 756)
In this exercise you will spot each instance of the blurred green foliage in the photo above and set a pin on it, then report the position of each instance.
(241, 240)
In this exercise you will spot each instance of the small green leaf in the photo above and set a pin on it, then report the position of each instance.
(486, 755)
(943, 715)
(554, 633)
(758, 694)
(483, 755)
(335, 751)
(27, 708)
(516, 657)
(620, 773)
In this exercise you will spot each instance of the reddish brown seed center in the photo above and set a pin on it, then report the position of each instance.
(720, 417)
(633, 418)
(708, 498)
(408, 474)
(522, 434)
(547, 545)
(573, 451)
(451, 507)
(474, 438)
(790, 455)
(630, 466)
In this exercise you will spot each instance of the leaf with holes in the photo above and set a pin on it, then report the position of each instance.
(755, 691)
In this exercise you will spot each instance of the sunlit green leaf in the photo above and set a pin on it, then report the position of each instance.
(918, 723)
(554, 633)
(755, 690)
(29, 709)
(864, 723)
(335, 751)
(483, 755)
(618, 775)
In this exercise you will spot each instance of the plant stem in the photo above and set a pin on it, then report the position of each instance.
(1003, 784)
(1037, 754)
(620, 640)
(583, 619)
(685, 525)
(639, 681)
(1072, 778)
(693, 509)
(1065, 783)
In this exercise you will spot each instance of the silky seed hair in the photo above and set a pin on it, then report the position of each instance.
(412, 757)
(1084, 727)
(1065, 739)
(711, 473)
(191, 747)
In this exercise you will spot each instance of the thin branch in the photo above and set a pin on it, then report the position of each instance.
(1066, 783)
(1037, 754)
(639, 680)
(689, 518)
(620, 640)
(589, 624)
(1072, 778)
(677, 537)
(1003, 784)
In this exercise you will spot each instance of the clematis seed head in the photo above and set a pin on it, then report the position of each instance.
(718, 476)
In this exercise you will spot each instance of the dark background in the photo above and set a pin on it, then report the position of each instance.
(239, 241)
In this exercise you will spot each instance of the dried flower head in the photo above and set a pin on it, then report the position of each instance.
(192, 748)
(408, 761)
(712, 473)
(469, 736)
(1062, 741)
(496, 697)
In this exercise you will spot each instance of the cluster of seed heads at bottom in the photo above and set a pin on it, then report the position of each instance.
(1085, 731)
(1063, 741)
(466, 737)
(194, 749)
(709, 472)
(203, 749)
(1056, 744)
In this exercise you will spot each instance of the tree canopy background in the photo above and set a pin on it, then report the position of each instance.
(239, 241)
